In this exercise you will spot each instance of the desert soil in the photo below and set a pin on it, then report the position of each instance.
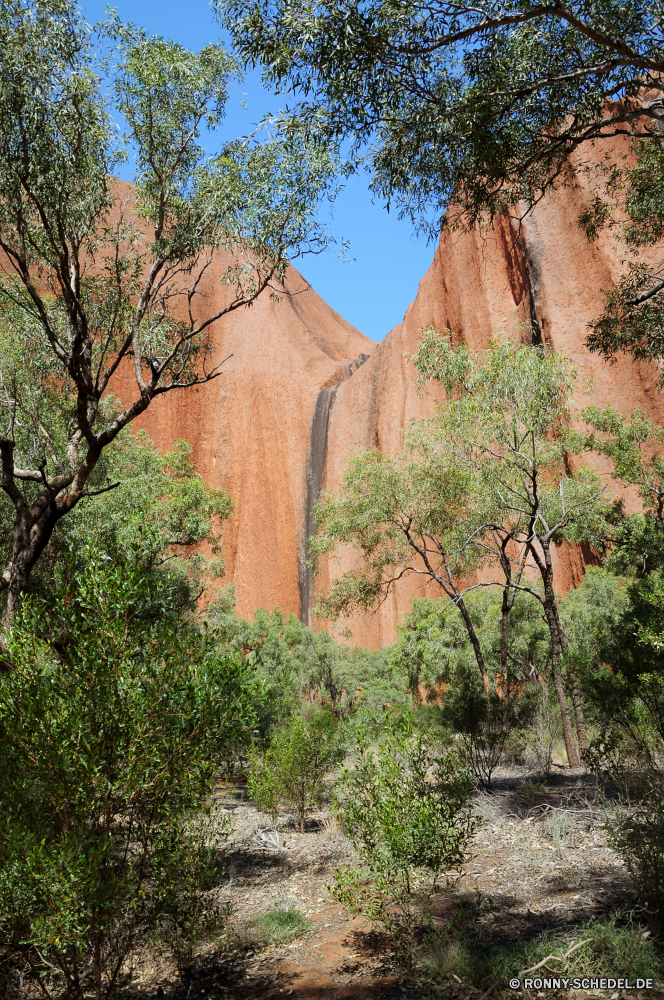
(540, 858)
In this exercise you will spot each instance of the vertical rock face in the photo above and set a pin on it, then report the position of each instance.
(542, 283)
(316, 464)
(304, 390)
(251, 430)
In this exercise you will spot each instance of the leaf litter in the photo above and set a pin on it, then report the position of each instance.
(540, 861)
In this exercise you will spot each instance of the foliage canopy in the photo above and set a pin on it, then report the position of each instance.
(113, 722)
(462, 112)
(445, 101)
(99, 280)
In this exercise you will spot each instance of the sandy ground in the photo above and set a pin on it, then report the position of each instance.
(539, 860)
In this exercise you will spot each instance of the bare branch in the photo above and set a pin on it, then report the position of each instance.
(638, 299)
(104, 489)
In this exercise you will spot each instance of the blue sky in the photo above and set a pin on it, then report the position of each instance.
(374, 289)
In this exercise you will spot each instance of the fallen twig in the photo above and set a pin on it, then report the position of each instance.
(490, 990)
(553, 958)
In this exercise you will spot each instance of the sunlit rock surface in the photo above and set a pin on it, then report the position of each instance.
(304, 390)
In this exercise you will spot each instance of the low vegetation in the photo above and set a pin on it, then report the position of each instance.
(125, 705)
(614, 944)
(281, 925)
(405, 810)
(292, 771)
(137, 709)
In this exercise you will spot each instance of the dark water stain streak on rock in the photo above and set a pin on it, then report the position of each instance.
(315, 475)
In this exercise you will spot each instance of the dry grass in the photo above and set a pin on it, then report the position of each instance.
(540, 868)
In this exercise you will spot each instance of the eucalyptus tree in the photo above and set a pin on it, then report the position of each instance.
(630, 203)
(486, 484)
(408, 514)
(506, 419)
(480, 105)
(625, 629)
(635, 447)
(99, 281)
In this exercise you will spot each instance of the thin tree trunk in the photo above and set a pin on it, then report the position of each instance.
(509, 596)
(504, 634)
(97, 967)
(575, 691)
(475, 643)
(414, 677)
(558, 642)
(571, 675)
(449, 586)
(566, 717)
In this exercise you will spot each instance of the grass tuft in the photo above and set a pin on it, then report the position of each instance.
(479, 963)
(281, 924)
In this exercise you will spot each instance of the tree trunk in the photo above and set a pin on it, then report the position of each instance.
(578, 709)
(504, 632)
(566, 717)
(97, 967)
(509, 596)
(18, 583)
(414, 676)
(475, 643)
(32, 532)
(571, 676)
(558, 642)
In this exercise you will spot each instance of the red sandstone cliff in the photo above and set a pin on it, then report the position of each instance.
(283, 420)
(546, 274)
(251, 429)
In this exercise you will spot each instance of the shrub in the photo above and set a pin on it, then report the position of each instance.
(112, 721)
(14, 969)
(558, 826)
(485, 722)
(404, 810)
(292, 771)
(479, 960)
(187, 867)
(637, 833)
(544, 735)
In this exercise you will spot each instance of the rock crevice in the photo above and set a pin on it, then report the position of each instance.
(315, 475)
(282, 423)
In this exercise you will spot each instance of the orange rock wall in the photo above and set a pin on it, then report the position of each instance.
(546, 273)
(297, 399)
(251, 428)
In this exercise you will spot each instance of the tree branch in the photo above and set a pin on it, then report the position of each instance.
(638, 299)
(104, 489)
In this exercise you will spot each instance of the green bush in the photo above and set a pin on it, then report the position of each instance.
(485, 722)
(112, 721)
(543, 737)
(292, 771)
(478, 961)
(293, 663)
(404, 810)
(187, 867)
(637, 833)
